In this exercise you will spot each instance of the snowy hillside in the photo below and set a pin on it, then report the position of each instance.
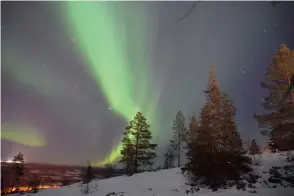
(172, 183)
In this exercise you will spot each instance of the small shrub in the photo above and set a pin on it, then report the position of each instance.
(256, 159)
(241, 185)
(35, 184)
(274, 180)
(275, 173)
(290, 157)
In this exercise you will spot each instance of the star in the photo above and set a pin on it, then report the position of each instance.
(74, 39)
(146, 14)
(277, 24)
(21, 98)
(109, 108)
(49, 34)
(264, 30)
(77, 86)
(22, 34)
(30, 95)
(243, 71)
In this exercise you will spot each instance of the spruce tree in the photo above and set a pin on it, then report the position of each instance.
(170, 155)
(279, 120)
(88, 176)
(215, 153)
(179, 129)
(254, 148)
(138, 148)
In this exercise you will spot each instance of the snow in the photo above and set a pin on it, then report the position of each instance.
(170, 183)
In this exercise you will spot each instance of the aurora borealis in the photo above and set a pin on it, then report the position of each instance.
(74, 73)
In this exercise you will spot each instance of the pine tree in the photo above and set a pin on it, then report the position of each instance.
(18, 169)
(254, 148)
(277, 81)
(179, 129)
(138, 148)
(216, 152)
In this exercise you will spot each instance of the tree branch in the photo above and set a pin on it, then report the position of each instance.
(187, 13)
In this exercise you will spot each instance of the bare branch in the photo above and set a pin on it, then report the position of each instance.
(187, 13)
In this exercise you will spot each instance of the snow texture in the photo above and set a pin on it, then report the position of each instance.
(172, 183)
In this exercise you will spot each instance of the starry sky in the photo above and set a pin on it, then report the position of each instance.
(64, 101)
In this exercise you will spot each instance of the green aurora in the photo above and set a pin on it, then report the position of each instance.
(113, 44)
(22, 134)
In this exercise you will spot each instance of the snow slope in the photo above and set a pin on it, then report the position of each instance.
(170, 183)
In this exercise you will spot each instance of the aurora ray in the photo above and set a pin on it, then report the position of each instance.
(114, 51)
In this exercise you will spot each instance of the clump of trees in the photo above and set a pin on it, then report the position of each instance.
(215, 152)
(138, 150)
(278, 122)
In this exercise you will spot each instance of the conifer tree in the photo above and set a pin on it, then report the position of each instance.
(193, 129)
(170, 155)
(88, 176)
(279, 120)
(138, 148)
(179, 129)
(18, 169)
(216, 153)
(254, 148)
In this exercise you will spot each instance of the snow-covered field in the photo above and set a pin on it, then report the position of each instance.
(172, 183)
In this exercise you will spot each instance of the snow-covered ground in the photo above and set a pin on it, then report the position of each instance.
(172, 183)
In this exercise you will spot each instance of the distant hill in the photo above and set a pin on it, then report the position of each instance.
(52, 175)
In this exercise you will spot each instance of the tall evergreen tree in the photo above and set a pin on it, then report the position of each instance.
(254, 148)
(137, 143)
(216, 153)
(18, 170)
(279, 121)
(179, 129)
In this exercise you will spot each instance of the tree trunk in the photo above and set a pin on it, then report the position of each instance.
(136, 153)
(179, 149)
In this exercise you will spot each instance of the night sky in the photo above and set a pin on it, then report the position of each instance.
(67, 91)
